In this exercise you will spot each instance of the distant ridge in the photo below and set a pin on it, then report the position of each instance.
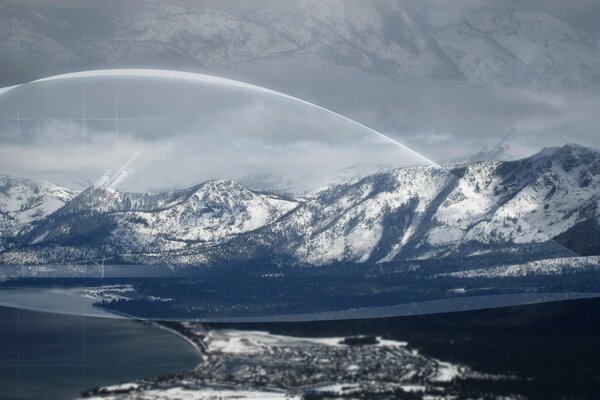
(546, 205)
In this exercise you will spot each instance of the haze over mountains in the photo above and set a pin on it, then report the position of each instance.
(543, 206)
(478, 66)
(481, 67)
(484, 44)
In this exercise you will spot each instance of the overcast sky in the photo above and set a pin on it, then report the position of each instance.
(374, 62)
(186, 132)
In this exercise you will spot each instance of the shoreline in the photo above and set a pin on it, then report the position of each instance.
(159, 325)
(198, 348)
(420, 308)
(437, 343)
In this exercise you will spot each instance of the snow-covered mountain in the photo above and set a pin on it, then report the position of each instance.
(544, 205)
(103, 222)
(490, 207)
(24, 201)
(478, 42)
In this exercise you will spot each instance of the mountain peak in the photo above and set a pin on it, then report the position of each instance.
(25, 201)
(221, 184)
(573, 146)
(489, 207)
(564, 150)
(576, 153)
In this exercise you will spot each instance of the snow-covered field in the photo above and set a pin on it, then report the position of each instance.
(181, 393)
(556, 266)
(256, 342)
(108, 292)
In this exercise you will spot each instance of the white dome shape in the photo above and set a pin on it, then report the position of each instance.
(180, 129)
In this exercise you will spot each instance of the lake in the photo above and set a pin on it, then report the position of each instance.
(56, 356)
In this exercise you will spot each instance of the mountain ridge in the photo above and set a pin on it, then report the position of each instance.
(534, 206)
(488, 45)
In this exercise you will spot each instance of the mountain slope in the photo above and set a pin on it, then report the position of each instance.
(487, 207)
(526, 201)
(357, 221)
(24, 201)
(480, 43)
(105, 223)
(545, 205)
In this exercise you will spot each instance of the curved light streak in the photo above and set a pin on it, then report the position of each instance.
(191, 76)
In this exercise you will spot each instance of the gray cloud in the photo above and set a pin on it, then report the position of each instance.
(379, 62)
(186, 133)
(465, 116)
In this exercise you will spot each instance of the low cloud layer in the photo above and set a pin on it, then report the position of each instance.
(445, 120)
(442, 77)
(186, 133)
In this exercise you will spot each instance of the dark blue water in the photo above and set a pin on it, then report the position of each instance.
(53, 356)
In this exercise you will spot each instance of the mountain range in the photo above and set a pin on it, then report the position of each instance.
(478, 42)
(543, 206)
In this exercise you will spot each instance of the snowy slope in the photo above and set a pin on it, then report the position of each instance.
(23, 201)
(537, 205)
(108, 222)
(540, 197)
(352, 222)
(557, 266)
(427, 212)
(215, 211)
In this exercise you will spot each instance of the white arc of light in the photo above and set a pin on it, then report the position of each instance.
(210, 79)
